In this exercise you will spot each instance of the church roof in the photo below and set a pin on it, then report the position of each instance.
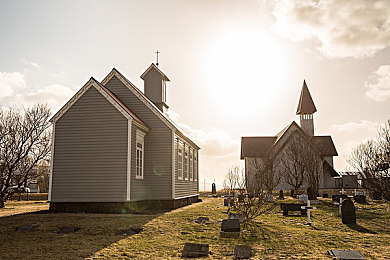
(329, 169)
(306, 104)
(152, 66)
(257, 146)
(325, 144)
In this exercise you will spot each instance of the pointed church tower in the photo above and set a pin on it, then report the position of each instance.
(305, 110)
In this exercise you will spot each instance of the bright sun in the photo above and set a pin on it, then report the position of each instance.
(243, 67)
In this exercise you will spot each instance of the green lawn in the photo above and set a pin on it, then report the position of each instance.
(272, 235)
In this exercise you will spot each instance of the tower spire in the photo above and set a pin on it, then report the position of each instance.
(157, 52)
(306, 109)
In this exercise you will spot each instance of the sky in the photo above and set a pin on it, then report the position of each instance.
(236, 66)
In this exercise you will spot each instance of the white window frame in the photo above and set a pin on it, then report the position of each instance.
(195, 165)
(139, 162)
(185, 164)
(179, 160)
(191, 163)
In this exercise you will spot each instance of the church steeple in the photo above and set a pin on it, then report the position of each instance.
(306, 109)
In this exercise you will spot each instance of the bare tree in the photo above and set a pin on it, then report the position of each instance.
(25, 141)
(292, 163)
(372, 160)
(266, 177)
(313, 165)
(234, 179)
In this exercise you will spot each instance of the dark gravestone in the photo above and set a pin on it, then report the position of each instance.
(360, 199)
(130, 232)
(348, 214)
(230, 225)
(242, 252)
(292, 194)
(228, 200)
(336, 198)
(202, 220)
(346, 254)
(213, 189)
(26, 228)
(286, 207)
(325, 195)
(241, 198)
(195, 250)
(281, 195)
(67, 230)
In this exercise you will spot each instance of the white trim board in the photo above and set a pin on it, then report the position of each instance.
(51, 161)
(128, 190)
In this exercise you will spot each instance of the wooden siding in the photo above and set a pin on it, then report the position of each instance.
(157, 181)
(90, 152)
(185, 188)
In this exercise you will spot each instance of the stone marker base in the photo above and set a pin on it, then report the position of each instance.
(346, 254)
(121, 207)
(242, 252)
(195, 250)
(223, 234)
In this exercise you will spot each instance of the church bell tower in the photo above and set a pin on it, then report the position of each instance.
(305, 110)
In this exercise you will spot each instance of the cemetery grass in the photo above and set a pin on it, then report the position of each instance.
(272, 236)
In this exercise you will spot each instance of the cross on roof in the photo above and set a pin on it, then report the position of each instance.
(157, 52)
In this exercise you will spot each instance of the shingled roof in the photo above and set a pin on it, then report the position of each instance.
(325, 144)
(306, 104)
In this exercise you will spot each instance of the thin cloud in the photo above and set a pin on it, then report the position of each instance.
(30, 63)
(343, 28)
(350, 127)
(378, 84)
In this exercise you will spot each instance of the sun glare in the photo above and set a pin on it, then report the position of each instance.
(243, 67)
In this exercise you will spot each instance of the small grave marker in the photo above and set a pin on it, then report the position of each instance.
(67, 230)
(348, 214)
(230, 225)
(360, 199)
(26, 228)
(325, 195)
(346, 254)
(242, 252)
(308, 208)
(303, 198)
(195, 250)
(268, 197)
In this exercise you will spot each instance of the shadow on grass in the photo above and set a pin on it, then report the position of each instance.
(361, 229)
(256, 231)
(94, 233)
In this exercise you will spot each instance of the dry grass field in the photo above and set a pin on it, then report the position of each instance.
(272, 236)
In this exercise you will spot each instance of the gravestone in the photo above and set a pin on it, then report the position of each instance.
(26, 228)
(336, 198)
(195, 250)
(230, 225)
(268, 198)
(238, 216)
(213, 189)
(227, 200)
(201, 220)
(67, 230)
(281, 195)
(360, 199)
(303, 198)
(346, 254)
(241, 198)
(325, 195)
(242, 252)
(348, 214)
(292, 193)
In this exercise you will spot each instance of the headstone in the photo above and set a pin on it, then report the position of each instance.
(202, 220)
(213, 189)
(67, 230)
(130, 232)
(360, 199)
(195, 250)
(303, 198)
(325, 195)
(242, 252)
(268, 197)
(241, 198)
(26, 228)
(227, 200)
(336, 199)
(238, 216)
(230, 225)
(348, 214)
(281, 195)
(292, 193)
(346, 254)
